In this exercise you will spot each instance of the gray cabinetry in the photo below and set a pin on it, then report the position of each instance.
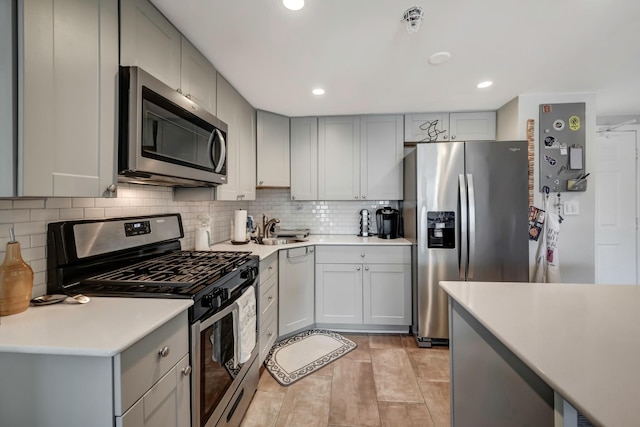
(296, 289)
(151, 42)
(363, 285)
(137, 387)
(304, 158)
(268, 305)
(272, 150)
(339, 158)
(240, 117)
(67, 68)
(430, 127)
(360, 157)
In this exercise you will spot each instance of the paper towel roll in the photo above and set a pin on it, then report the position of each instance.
(240, 226)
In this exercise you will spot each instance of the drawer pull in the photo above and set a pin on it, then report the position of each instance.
(186, 371)
(270, 334)
(270, 297)
(164, 351)
(358, 268)
(362, 255)
(271, 267)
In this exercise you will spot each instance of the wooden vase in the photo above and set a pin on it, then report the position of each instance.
(16, 282)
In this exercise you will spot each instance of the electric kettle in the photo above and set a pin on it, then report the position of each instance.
(388, 223)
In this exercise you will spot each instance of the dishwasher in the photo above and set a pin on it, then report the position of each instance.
(296, 289)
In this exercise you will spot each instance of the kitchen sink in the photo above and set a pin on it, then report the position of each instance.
(281, 241)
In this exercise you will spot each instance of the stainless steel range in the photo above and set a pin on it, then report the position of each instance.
(141, 257)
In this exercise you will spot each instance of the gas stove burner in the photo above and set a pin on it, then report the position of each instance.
(187, 269)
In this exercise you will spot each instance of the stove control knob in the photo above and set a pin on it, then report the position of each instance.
(211, 301)
(249, 273)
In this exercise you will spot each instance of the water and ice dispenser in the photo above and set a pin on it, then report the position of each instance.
(441, 229)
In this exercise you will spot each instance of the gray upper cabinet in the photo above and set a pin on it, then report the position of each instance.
(8, 93)
(197, 77)
(360, 158)
(240, 117)
(304, 158)
(431, 127)
(339, 158)
(381, 154)
(151, 42)
(67, 78)
(272, 150)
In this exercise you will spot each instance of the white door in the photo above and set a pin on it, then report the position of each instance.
(616, 201)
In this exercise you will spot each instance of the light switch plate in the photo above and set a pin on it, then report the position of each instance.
(571, 207)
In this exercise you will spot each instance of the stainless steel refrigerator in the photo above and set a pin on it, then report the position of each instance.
(465, 210)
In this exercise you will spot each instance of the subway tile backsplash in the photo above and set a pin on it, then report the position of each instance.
(30, 217)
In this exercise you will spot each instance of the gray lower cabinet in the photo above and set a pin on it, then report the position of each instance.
(296, 289)
(363, 285)
(268, 305)
(137, 387)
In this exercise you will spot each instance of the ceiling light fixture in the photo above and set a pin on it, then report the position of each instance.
(484, 84)
(439, 58)
(413, 18)
(293, 4)
(318, 91)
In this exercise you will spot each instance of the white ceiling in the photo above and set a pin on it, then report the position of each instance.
(360, 52)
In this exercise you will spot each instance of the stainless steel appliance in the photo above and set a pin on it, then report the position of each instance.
(465, 211)
(165, 138)
(141, 257)
(388, 223)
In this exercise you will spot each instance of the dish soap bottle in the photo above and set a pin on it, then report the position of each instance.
(16, 280)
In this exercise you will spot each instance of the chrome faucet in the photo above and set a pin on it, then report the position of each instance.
(266, 225)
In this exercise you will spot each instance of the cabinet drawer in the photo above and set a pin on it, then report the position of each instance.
(268, 335)
(363, 254)
(268, 296)
(166, 403)
(140, 366)
(268, 267)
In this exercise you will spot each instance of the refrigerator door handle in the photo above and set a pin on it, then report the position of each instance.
(472, 225)
(462, 220)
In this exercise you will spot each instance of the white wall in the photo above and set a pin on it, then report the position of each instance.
(577, 233)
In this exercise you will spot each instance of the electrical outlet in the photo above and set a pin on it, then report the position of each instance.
(571, 207)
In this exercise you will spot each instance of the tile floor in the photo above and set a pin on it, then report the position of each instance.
(386, 381)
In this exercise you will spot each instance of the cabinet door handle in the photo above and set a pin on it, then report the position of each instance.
(293, 197)
(362, 255)
(179, 90)
(358, 268)
(270, 297)
(364, 196)
(453, 137)
(355, 197)
(270, 334)
(164, 351)
(366, 268)
(188, 96)
(271, 267)
(261, 182)
(186, 371)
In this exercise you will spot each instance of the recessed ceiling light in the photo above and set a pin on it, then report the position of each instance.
(439, 57)
(318, 91)
(293, 4)
(484, 84)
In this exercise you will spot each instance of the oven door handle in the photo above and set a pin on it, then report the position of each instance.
(236, 334)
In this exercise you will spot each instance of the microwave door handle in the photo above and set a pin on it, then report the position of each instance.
(223, 150)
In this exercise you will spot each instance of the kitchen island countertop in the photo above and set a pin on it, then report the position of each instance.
(102, 327)
(582, 340)
(264, 251)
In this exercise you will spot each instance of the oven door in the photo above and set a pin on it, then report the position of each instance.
(222, 387)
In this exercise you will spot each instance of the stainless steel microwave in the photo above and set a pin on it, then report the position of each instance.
(165, 138)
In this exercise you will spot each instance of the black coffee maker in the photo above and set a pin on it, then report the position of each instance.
(388, 223)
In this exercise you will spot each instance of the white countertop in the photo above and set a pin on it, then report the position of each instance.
(102, 327)
(582, 340)
(313, 239)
